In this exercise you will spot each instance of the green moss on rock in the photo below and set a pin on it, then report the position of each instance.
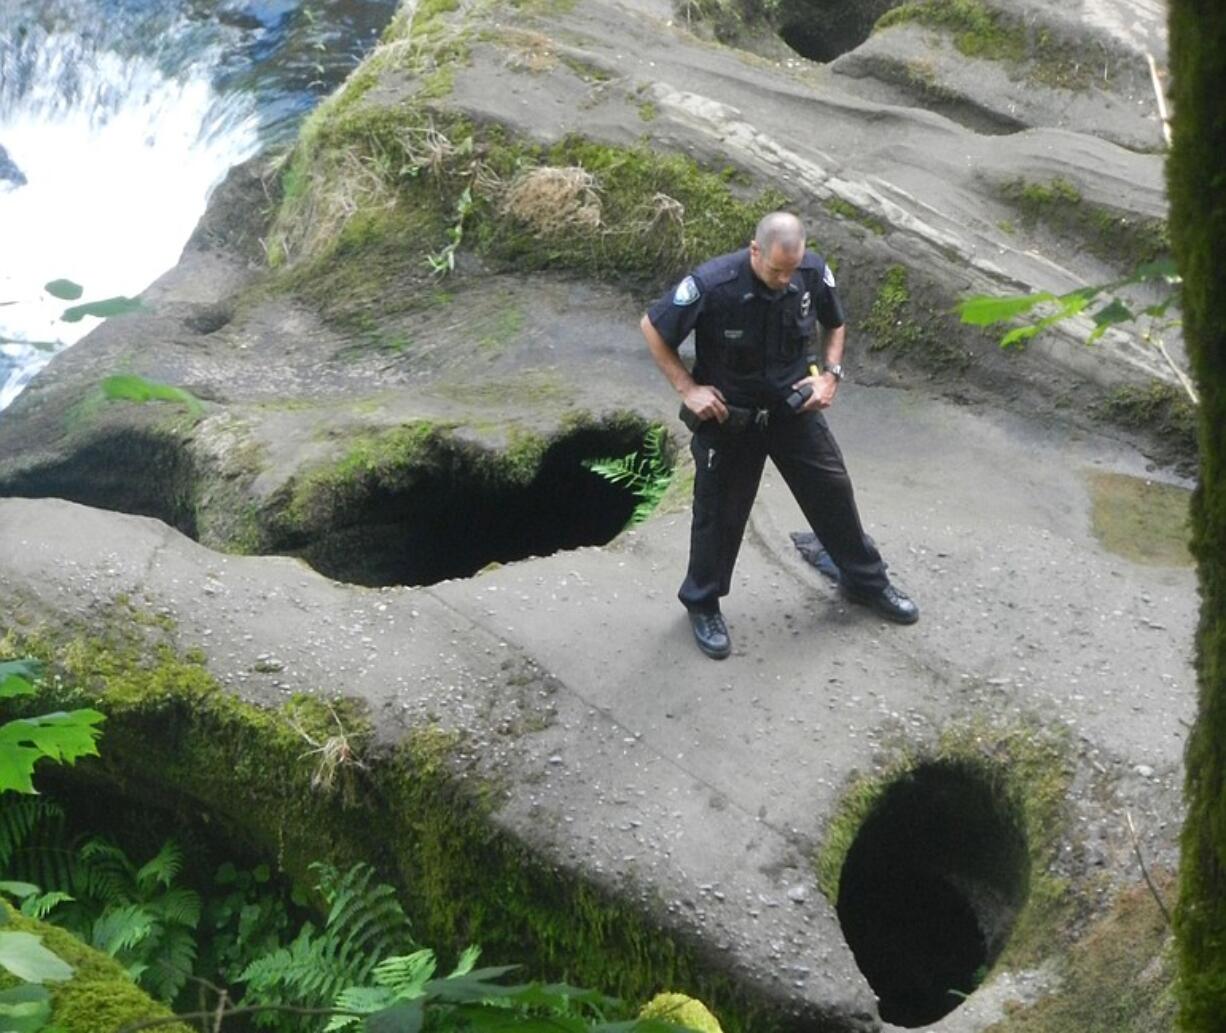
(175, 737)
(1121, 238)
(99, 998)
(987, 32)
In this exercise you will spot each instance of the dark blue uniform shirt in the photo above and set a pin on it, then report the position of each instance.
(751, 342)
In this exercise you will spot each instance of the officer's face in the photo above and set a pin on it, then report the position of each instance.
(776, 268)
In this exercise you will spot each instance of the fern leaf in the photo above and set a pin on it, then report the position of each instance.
(18, 819)
(172, 960)
(178, 907)
(120, 929)
(406, 975)
(162, 868)
(467, 960)
(41, 905)
(362, 999)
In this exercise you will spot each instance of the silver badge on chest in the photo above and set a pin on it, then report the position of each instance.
(806, 302)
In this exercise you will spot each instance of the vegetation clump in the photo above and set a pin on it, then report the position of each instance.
(1125, 240)
(174, 736)
(1117, 978)
(982, 31)
(1159, 408)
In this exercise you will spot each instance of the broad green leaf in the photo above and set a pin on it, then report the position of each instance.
(984, 309)
(24, 955)
(105, 308)
(132, 388)
(17, 767)
(60, 736)
(20, 890)
(17, 677)
(65, 290)
(1108, 316)
(1115, 312)
(1019, 334)
(24, 1009)
(402, 1017)
(63, 736)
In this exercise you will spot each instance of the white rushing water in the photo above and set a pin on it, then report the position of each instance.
(119, 158)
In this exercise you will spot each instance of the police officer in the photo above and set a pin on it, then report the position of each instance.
(754, 315)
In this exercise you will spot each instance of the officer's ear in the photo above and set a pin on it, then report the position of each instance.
(755, 249)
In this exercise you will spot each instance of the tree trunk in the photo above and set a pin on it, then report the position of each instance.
(1197, 182)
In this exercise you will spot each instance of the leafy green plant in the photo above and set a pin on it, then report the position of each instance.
(63, 736)
(406, 997)
(132, 388)
(443, 262)
(364, 924)
(66, 290)
(987, 309)
(245, 917)
(133, 913)
(647, 476)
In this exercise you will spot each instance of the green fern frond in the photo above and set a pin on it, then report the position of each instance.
(121, 929)
(406, 975)
(173, 958)
(647, 477)
(162, 868)
(365, 923)
(40, 905)
(178, 907)
(18, 819)
(362, 999)
(467, 960)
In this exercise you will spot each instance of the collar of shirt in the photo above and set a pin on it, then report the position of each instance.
(751, 287)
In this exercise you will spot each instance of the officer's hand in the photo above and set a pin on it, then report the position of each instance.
(705, 402)
(823, 387)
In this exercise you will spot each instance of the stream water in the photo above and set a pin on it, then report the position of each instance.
(118, 117)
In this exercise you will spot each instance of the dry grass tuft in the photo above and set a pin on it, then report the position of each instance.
(553, 200)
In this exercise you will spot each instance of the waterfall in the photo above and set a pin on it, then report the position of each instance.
(117, 119)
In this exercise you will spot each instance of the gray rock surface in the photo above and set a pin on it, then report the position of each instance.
(705, 786)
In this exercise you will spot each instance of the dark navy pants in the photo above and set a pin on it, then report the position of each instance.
(728, 468)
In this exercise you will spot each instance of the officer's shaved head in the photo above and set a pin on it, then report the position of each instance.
(780, 229)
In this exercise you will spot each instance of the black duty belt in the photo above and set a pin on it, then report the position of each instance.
(740, 418)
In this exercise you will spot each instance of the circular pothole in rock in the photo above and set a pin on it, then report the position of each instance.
(453, 509)
(823, 30)
(930, 889)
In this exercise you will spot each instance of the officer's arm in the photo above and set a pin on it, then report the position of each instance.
(705, 402)
(832, 345)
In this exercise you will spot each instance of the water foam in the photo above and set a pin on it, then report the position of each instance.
(119, 158)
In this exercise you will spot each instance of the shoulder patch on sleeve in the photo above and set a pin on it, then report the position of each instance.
(828, 277)
(687, 292)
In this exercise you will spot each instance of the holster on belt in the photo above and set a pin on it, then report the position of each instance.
(739, 419)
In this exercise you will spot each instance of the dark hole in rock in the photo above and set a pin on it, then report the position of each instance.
(930, 890)
(208, 319)
(458, 513)
(822, 30)
(129, 471)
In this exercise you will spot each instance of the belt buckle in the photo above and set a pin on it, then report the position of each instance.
(761, 418)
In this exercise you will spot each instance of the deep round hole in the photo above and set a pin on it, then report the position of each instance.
(457, 514)
(127, 471)
(822, 30)
(930, 890)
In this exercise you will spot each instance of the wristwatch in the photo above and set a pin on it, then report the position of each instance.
(835, 370)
